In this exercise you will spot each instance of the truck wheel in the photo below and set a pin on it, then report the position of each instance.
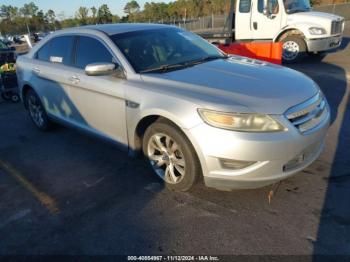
(171, 156)
(37, 111)
(293, 49)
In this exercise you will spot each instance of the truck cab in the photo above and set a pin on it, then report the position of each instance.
(292, 22)
(289, 21)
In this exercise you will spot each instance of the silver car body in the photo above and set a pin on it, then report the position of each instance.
(114, 107)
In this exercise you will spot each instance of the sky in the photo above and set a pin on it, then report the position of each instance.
(69, 7)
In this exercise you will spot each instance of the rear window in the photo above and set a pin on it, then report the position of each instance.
(57, 50)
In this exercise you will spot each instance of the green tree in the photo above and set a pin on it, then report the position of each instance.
(82, 15)
(104, 15)
(131, 7)
(94, 13)
(29, 10)
(51, 18)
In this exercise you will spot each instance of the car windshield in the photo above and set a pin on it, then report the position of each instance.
(161, 50)
(294, 6)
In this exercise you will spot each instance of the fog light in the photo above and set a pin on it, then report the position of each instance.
(235, 164)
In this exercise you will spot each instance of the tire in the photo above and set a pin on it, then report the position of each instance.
(293, 49)
(37, 111)
(171, 156)
(15, 98)
(5, 96)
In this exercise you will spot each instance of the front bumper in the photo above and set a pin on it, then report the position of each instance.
(271, 152)
(323, 44)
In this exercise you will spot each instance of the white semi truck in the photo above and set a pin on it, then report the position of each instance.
(292, 22)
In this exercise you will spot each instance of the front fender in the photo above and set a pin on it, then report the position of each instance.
(303, 28)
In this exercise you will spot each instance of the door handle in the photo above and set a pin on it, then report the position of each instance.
(36, 70)
(74, 79)
(255, 25)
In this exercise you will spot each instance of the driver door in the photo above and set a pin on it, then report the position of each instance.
(266, 26)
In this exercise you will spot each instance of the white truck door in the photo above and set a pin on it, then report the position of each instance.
(266, 26)
(243, 16)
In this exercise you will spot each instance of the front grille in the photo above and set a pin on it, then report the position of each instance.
(337, 27)
(309, 114)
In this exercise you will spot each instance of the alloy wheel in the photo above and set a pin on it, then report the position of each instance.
(36, 111)
(166, 158)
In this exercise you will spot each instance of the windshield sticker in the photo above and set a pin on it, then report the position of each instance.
(56, 59)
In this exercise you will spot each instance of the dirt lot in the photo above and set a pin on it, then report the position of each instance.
(65, 193)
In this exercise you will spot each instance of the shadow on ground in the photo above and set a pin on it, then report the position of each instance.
(333, 236)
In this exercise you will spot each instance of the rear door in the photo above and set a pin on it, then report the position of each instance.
(99, 100)
(52, 63)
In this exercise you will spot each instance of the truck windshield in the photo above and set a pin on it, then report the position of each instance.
(164, 49)
(294, 6)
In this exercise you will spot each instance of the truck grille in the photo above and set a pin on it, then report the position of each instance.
(337, 27)
(308, 115)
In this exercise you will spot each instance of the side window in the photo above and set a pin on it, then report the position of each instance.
(90, 50)
(61, 50)
(244, 6)
(273, 6)
(44, 52)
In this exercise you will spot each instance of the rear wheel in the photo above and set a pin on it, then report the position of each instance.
(293, 49)
(171, 156)
(37, 111)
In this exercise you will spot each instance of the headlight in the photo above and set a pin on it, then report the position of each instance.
(241, 122)
(317, 31)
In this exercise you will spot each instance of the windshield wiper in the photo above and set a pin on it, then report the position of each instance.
(167, 68)
(164, 68)
(206, 59)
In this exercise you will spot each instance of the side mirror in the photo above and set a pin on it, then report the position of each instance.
(100, 69)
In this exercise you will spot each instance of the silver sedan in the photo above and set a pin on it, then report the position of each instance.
(192, 110)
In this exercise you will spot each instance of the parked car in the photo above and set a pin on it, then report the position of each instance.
(192, 110)
(17, 39)
(7, 53)
(6, 40)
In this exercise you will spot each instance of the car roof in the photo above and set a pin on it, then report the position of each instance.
(112, 29)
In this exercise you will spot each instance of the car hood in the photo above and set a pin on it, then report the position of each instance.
(237, 82)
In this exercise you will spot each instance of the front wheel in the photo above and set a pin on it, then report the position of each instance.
(171, 156)
(293, 49)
